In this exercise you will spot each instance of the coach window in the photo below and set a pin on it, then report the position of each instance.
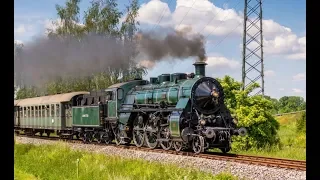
(36, 111)
(47, 112)
(27, 111)
(42, 111)
(31, 114)
(21, 111)
(24, 112)
(52, 110)
(57, 110)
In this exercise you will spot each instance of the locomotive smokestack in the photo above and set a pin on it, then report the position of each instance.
(200, 68)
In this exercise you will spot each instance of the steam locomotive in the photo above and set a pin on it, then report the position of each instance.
(177, 111)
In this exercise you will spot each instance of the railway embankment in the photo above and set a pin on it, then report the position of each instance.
(241, 170)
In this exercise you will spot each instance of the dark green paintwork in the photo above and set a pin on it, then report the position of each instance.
(128, 99)
(174, 124)
(112, 109)
(169, 92)
(86, 116)
(123, 117)
(183, 103)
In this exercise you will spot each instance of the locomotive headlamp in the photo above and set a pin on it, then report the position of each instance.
(202, 122)
(235, 121)
(214, 93)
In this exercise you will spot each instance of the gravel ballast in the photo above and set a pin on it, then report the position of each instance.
(214, 166)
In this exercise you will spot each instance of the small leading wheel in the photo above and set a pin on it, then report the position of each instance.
(166, 145)
(177, 146)
(198, 144)
(40, 133)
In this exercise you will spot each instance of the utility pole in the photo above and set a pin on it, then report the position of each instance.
(252, 57)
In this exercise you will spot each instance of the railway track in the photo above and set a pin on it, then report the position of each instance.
(247, 159)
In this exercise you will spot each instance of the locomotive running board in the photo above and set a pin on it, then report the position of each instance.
(150, 110)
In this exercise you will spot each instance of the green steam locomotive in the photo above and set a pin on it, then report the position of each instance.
(180, 111)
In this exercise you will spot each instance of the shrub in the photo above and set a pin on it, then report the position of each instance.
(301, 123)
(253, 113)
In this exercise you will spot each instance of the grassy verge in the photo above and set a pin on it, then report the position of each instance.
(293, 144)
(60, 162)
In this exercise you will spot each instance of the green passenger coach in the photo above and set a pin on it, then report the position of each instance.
(45, 114)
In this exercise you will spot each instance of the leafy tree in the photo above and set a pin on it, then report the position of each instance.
(26, 92)
(291, 103)
(253, 113)
(102, 18)
(275, 104)
(69, 20)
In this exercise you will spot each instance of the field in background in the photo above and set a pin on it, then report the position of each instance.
(293, 143)
(59, 162)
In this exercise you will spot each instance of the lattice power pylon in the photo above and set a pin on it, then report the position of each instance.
(252, 62)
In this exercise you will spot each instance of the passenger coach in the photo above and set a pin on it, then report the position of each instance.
(46, 114)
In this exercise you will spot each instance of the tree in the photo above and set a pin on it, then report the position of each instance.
(101, 18)
(68, 23)
(291, 104)
(253, 113)
(26, 92)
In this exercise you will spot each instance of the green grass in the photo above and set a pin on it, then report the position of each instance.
(60, 162)
(293, 144)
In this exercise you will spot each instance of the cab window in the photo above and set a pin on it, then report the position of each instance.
(120, 94)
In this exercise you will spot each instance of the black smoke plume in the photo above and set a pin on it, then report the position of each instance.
(45, 59)
(174, 45)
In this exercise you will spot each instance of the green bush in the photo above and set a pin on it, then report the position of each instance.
(301, 123)
(253, 113)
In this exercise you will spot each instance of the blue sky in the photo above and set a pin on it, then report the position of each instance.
(284, 32)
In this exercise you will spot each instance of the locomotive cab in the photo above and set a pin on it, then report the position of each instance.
(114, 97)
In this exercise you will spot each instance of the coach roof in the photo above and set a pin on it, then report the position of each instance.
(53, 99)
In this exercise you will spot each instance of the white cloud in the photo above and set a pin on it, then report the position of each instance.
(269, 73)
(299, 77)
(281, 89)
(295, 90)
(18, 42)
(21, 29)
(206, 18)
(221, 63)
